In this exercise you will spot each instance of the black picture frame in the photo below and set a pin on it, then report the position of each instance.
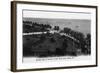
(14, 34)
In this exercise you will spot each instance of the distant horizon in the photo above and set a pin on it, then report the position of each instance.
(81, 25)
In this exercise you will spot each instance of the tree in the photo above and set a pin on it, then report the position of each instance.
(88, 42)
(48, 26)
(56, 28)
(88, 38)
(67, 30)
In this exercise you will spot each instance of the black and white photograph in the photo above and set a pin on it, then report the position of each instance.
(56, 37)
(53, 36)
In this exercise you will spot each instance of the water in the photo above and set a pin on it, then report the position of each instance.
(80, 25)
